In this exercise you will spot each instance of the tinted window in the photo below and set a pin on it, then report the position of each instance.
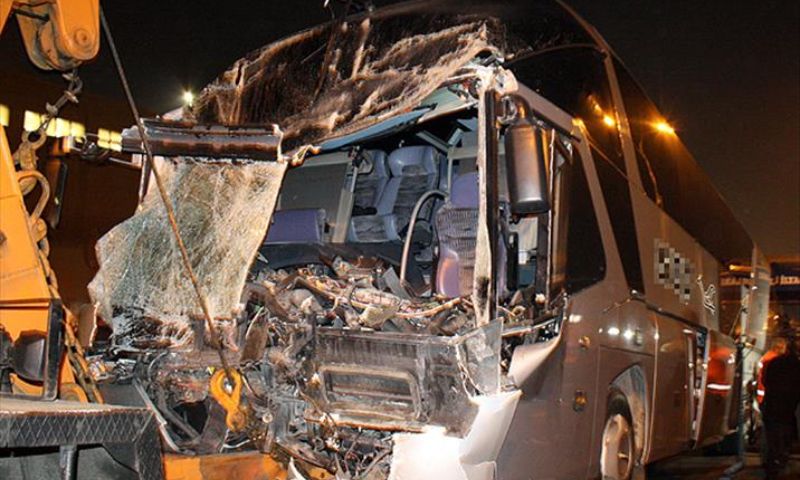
(673, 179)
(580, 260)
(575, 79)
(658, 166)
(616, 193)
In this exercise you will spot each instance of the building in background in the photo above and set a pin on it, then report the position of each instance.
(784, 300)
(87, 198)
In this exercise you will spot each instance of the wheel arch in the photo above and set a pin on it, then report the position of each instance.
(632, 386)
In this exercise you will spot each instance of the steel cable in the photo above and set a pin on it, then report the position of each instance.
(216, 339)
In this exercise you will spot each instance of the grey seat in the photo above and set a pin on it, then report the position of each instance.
(370, 185)
(414, 170)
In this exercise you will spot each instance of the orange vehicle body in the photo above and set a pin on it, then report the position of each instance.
(27, 285)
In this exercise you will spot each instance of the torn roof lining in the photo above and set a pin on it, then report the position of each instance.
(390, 84)
(355, 73)
(440, 103)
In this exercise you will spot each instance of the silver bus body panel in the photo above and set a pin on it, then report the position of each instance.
(652, 337)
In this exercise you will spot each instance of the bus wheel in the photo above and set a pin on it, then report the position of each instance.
(617, 450)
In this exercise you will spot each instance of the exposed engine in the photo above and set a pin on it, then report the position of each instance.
(331, 364)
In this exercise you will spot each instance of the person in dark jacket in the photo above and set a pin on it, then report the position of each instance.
(781, 399)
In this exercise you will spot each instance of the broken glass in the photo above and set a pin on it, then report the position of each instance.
(223, 210)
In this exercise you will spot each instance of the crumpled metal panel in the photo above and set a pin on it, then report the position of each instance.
(433, 454)
(223, 210)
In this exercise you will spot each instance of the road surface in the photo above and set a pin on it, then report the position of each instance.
(697, 467)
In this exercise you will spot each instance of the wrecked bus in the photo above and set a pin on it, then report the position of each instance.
(432, 241)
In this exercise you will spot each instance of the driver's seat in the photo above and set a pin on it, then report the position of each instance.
(457, 228)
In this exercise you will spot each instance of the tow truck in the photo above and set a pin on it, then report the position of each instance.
(44, 401)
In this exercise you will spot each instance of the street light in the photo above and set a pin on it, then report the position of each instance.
(663, 127)
(188, 98)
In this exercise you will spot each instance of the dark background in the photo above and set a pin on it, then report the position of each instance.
(726, 74)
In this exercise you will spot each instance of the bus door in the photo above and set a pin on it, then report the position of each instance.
(696, 348)
(671, 385)
(717, 391)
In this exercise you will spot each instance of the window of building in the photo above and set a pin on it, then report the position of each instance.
(5, 115)
(109, 139)
(57, 128)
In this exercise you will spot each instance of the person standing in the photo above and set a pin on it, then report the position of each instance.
(781, 383)
(777, 349)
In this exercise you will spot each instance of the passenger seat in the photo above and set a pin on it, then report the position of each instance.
(370, 185)
(414, 170)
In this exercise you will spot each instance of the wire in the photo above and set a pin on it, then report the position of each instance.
(217, 340)
(410, 230)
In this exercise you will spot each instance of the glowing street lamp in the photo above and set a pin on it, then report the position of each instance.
(664, 127)
(188, 98)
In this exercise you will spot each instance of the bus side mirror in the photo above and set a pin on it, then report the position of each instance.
(525, 162)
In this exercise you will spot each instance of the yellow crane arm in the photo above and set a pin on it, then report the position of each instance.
(58, 34)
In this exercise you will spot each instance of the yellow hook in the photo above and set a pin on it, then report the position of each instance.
(229, 397)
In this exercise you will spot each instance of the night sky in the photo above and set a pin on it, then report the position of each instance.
(727, 75)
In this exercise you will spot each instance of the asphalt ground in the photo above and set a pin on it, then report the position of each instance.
(697, 467)
(95, 464)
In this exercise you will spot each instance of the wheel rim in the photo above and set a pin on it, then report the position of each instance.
(617, 450)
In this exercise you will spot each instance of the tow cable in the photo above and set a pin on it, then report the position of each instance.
(216, 339)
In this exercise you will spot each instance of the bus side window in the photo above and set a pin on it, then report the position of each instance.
(616, 192)
(674, 181)
(657, 167)
(579, 255)
(576, 80)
